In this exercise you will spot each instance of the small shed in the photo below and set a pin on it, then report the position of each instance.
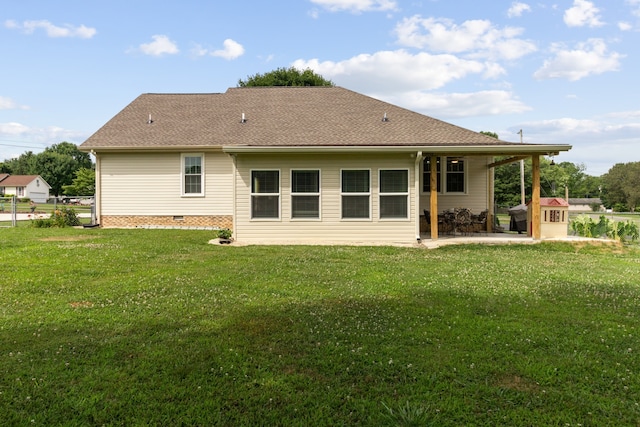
(554, 217)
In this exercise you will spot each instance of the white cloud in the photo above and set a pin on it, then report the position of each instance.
(476, 38)
(517, 9)
(232, 50)
(586, 59)
(29, 27)
(161, 45)
(356, 6)
(20, 138)
(10, 104)
(13, 129)
(625, 26)
(407, 80)
(461, 105)
(583, 13)
(599, 142)
(393, 71)
(635, 4)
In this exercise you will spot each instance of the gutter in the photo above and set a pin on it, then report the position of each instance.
(416, 179)
(547, 149)
(427, 150)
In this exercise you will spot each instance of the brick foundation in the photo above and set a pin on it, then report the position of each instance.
(214, 222)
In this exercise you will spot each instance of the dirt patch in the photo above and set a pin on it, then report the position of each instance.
(515, 382)
(66, 238)
(81, 304)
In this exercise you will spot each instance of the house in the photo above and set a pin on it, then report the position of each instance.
(585, 204)
(32, 187)
(292, 164)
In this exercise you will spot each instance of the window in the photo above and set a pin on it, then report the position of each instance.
(356, 192)
(305, 194)
(426, 176)
(192, 175)
(555, 215)
(394, 193)
(265, 194)
(455, 175)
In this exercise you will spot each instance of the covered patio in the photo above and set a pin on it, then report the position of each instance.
(438, 226)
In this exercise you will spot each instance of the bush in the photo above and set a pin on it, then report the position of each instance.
(63, 217)
(224, 233)
(584, 225)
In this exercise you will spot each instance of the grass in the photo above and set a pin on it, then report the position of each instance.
(157, 327)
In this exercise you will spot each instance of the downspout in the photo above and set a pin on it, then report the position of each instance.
(234, 160)
(417, 193)
(98, 190)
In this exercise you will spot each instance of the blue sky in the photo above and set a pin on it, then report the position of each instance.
(562, 71)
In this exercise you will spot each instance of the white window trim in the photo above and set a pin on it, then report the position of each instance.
(202, 175)
(369, 217)
(465, 176)
(252, 194)
(319, 194)
(381, 194)
(443, 177)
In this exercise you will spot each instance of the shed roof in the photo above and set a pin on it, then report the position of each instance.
(277, 117)
(553, 201)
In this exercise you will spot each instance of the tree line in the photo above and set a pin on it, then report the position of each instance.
(66, 169)
(618, 189)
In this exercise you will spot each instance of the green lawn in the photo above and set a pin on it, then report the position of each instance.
(157, 327)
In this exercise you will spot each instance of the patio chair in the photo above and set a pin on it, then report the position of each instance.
(462, 220)
(480, 221)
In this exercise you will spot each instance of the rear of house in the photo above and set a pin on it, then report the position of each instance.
(289, 164)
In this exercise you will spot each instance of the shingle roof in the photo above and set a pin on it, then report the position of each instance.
(19, 180)
(585, 200)
(3, 176)
(275, 117)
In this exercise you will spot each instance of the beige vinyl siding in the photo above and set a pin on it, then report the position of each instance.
(476, 183)
(151, 184)
(330, 226)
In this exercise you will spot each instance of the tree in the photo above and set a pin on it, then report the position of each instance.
(23, 165)
(285, 77)
(83, 160)
(621, 186)
(57, 169)
(56, 164)
(84, 184)
(491, 134)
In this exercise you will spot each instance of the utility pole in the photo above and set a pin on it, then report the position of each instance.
(521, 174)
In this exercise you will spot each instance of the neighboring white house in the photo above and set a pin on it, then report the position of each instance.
(33, 187)
(293, 163)
(585, 204)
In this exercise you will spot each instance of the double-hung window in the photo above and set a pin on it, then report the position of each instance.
(356, 194)
(193, 174)
(426, 176)
(394, 193)
(265, 194)
(305, 194)
(453, 175)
